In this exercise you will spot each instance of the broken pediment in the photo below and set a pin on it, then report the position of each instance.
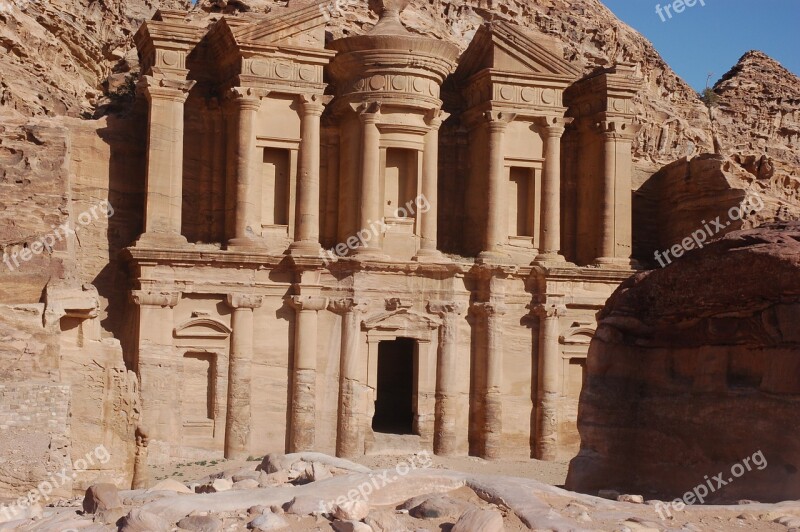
(510, 48)
(302, 27)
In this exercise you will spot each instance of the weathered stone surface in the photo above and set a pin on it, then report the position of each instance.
(478, 520)
(351, 511)
(706, 350)
(350, 526)
(139, 520)
(201, 523)
(269, 521)
(383, 521)
(437, 507)
(101, 497)
(170, 484)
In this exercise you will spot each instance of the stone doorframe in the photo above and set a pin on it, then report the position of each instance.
(402, 322)
(203, 334)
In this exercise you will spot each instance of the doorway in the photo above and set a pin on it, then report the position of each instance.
(394, 407)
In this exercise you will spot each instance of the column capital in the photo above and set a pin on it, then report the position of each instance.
(499, 120)
(617, 129)
(550, 310)
(176, 90)
(240, 301)
(488, 309)
(443, 308)
(348, 304)
(554, 126)
(435, 117)
(152, 298)
(368, 112)
(246, 98)
(312, 104)
(315, 303)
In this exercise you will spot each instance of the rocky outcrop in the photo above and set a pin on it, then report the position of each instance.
(694, 369)
(758, 115)
(57, 53)
(708, 196)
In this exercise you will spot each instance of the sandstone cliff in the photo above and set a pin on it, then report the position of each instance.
(693, 368)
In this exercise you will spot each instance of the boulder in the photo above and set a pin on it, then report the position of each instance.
(201, 523)
(437, 507)
(694, 370)
(101, 497)
(478, 520)
(350, 526)
(246, 484)
(351, 511)
(268, 521)
(383, 521)
(139, 520)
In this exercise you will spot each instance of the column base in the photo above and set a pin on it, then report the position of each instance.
(549, 259)
(617, 263)
(161, 240)
(430, 256)
(304, 248)
(493, 257)
(246, 243)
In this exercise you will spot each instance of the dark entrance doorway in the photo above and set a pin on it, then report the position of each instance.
(394, 407)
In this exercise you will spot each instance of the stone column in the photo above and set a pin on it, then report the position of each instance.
(302, 416)
(445, 439)
(157, 365)
(549, 385)
(550, 223)
(430, 190)
(240, 369)
(492, 431)
(349, 435)
(247, 214)
(370, 199)
(616, 242)
(164, 186)
(306, 230)
(496, 194)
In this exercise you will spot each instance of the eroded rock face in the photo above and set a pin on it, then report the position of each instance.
(694, 369)
(758, 115)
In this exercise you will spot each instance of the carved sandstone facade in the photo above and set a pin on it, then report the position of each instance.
(266, 145)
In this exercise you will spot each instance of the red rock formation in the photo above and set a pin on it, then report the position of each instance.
(694, 368)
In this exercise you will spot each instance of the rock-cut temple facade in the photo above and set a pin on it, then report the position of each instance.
(374, 242)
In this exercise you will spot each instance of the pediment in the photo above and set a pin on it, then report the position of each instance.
(302, 27)
(509, 47)
(402, 320)
(202, 327)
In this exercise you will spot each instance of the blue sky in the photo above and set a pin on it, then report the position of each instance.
(712, 38)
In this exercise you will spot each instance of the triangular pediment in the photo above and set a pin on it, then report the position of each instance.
(302, 27)
(508, 47)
